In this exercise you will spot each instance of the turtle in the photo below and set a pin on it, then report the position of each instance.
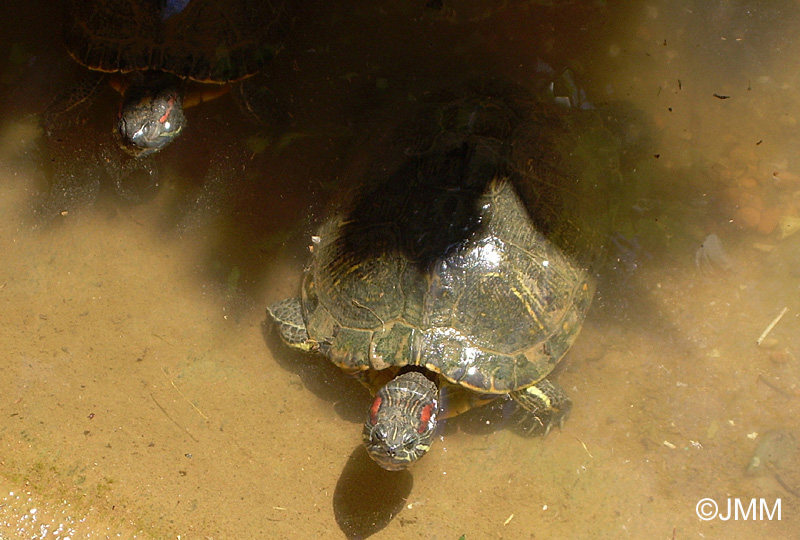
(154, 48)
(460, 268)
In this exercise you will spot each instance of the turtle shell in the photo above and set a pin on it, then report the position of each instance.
(469, 246)
(205, 40)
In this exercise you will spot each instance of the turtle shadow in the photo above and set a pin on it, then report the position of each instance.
(326, 381)
(424, 177)
(367, 497)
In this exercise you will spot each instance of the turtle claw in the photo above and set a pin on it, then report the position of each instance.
(548, 428)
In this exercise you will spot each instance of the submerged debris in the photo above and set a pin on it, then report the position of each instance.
(778, 455)
(771, 325)
(711, 255)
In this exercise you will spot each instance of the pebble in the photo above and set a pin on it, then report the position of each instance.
(769, 220)
(747, 217)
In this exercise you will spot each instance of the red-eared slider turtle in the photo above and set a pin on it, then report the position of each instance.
(157, 46)
(460, 270)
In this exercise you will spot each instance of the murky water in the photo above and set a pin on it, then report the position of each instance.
(145, 397)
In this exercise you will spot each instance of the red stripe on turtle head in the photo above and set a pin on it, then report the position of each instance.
(170, 106)
(424, 418)
(373, 411)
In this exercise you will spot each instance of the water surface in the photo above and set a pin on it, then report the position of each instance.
(144, 396)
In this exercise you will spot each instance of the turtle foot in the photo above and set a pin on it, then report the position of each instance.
(539, 408)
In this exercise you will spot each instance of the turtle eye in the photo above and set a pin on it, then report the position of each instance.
(150, 130)
(378, 436)
(410, 441)
(146, 132)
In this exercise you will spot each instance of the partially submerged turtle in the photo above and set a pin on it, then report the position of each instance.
(460, 271)
(155, 48)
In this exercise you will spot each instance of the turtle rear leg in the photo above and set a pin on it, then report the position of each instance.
(540, 407)
(68, 108)
(288, 315)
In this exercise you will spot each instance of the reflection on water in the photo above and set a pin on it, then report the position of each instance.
(140, 396)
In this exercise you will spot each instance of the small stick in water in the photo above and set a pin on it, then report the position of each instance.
(771, 325)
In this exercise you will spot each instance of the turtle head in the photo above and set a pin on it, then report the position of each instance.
(150, 119)
(401, 421)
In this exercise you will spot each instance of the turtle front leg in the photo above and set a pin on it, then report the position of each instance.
(288, 316)
(540, 407)
(68, 109)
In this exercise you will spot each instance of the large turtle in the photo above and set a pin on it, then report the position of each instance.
(460, 271)
(156, 46)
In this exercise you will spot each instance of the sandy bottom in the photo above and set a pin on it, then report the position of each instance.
(143, 395)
